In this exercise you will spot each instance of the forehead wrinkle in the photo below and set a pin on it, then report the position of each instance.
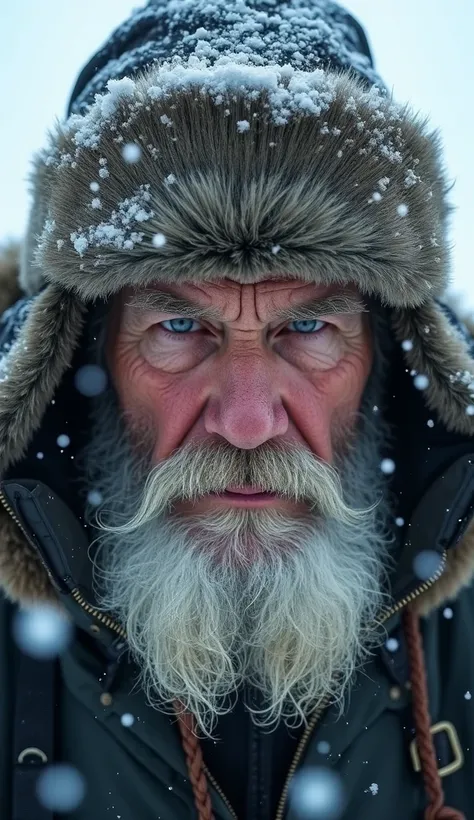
(159, 301)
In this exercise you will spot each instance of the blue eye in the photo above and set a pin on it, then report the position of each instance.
(308, 326)
(180, 328)
(182, 325)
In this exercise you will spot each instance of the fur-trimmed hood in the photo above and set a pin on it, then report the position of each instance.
(249, 172)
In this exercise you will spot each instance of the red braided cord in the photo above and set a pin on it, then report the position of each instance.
(436, 809)
(194, 762)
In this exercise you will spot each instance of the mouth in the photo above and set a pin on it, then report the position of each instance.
(246, 497)
(232, 490)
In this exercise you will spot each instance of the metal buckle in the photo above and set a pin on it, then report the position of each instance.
(443, 726)
(34, 752)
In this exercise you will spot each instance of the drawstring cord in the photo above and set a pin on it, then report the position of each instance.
(195, 763)
(436, 810)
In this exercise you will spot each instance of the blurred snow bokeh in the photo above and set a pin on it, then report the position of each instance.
(316, 793)
(426, 564)
(90, 380)
(60, 788)
(41, 631)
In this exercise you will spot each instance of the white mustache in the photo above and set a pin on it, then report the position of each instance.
(282, 468)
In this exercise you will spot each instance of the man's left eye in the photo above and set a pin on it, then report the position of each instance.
(308, 326)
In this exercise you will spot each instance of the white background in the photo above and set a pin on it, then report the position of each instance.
(422, 48)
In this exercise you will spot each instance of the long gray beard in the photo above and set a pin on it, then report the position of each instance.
(285, 603)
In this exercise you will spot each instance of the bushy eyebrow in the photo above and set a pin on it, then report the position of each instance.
(162, 302)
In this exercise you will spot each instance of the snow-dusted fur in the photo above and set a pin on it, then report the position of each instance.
(306, 188)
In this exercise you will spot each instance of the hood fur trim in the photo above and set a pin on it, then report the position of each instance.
(458, 574)
(23, 578)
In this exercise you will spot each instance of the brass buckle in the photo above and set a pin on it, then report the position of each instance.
(443, 726)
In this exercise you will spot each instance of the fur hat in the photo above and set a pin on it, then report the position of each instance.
(258, 140)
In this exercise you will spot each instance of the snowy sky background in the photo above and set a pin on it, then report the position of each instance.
(422, 48)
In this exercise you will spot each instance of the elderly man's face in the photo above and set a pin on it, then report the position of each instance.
(214, 586)
(244, 374)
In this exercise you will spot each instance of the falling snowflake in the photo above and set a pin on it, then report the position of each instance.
(427, 564)
(374, 789)
(387, 465)
(60, 788)
(90, 380)
(407, 344)
(63, 440)
(158, 240)
(402, 210)
(243, 125)
(448, 612)
(127, 720)
(317, 792)
(131, 152)
(94, 497)
(421, 381)
(41, 631)
(392, 644)
(468, 696)
(399, 521)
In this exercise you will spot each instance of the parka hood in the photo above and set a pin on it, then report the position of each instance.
(265, 146)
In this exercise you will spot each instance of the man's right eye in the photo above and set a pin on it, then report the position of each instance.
(183, 326)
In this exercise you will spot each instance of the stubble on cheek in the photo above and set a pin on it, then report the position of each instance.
(141, 433)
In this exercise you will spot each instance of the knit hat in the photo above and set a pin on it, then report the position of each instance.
(256, 141)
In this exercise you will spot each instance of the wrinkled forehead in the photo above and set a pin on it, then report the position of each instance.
(227, 300)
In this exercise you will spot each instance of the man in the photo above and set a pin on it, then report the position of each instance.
(236, 430)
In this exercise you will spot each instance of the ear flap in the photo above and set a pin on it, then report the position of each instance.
(34, 366)
(438, 351)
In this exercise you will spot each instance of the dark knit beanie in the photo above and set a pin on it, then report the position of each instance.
(306, 35)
